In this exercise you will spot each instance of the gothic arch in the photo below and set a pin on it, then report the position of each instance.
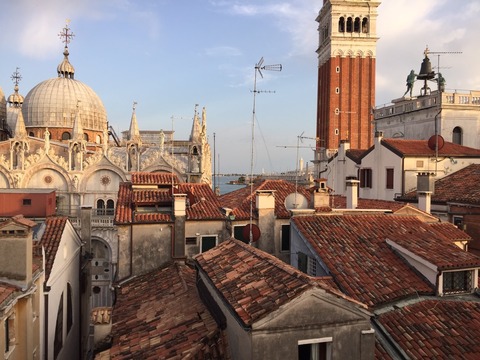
(101, 179)
(46, 176)
(5, 179)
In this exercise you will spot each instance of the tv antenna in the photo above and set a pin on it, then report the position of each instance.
(258, 69)
(297, 170)
(439, 88)
(438, 53)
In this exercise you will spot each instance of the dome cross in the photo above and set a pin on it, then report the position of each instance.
(16, 77)
(66, 34)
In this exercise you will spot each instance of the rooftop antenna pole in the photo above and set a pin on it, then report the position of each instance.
(258, 68)
(214, 166)
(438, 53)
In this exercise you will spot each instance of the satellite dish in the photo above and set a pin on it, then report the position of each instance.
(296, 201)
(436, 139)
(255, 232)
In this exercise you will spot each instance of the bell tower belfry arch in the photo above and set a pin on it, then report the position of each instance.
(346, 74)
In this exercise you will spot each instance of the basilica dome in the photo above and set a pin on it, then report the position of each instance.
(54, 103)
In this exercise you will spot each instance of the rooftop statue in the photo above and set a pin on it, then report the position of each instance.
(410, 80)
(441, 82)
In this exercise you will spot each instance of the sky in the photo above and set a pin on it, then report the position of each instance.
(169, 55)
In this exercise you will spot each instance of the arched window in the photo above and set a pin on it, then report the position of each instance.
(457, 135)
(110, 207)
(356, 25)
(31, 134)
(100, 207)
(349, 25)
(85, 136)
(364, 25)
(341, 24)
(66, 136)
(98, 139)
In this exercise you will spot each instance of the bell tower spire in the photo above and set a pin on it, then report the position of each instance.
(346, 74)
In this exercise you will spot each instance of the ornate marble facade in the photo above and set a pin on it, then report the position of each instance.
(58, 137)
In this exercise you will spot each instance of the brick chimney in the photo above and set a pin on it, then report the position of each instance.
(352, 192)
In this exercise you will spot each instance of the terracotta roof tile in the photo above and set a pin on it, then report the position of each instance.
(420, 148)
(447, 189)
(123, 210)
(202, 203)
(147, 178)
(356, 154)
(253, 282)
(436, 247)
(239, 200)
(160, 316)
(340, 202)
(19, 219)
(436, 329)
(54, 227)
(354, 249)
(7, 292)
(380, 352)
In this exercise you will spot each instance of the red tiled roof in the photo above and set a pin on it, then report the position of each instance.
(159, 315)
(253, 282)
(239, 200)
(380, 352)
(354, 249)
(50, 240)
(420, 148)
(6, 293)
(19, 219)
(123, 210)
(340, 202)
(436, 249)
(447, 189)
(356, 154)
(436, 329)
(147, 178)
(202, 203)
(152, 217)
(148, 196)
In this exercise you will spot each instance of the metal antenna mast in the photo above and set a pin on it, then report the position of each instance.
(297, 170)
(439, 75)
(438, 53)
(258, 68)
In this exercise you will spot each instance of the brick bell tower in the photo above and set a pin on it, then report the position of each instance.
(346, 74)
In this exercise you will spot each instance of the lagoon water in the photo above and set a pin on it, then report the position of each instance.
(223, 183)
